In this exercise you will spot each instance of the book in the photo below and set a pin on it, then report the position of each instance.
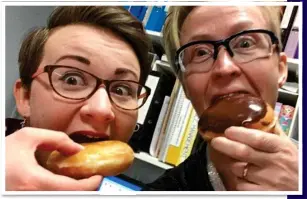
(161, 85)
(177, 139)
(292, 43)
(285, 117)
(162, 134)
(296, 52)
(277, 109)
(158, 128)
(175, 116)
(189, 139)
(176, 155)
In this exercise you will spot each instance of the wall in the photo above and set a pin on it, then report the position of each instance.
(18, 21)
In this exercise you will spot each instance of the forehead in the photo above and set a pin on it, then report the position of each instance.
(84, 36)
(217, 22)
(100, 46)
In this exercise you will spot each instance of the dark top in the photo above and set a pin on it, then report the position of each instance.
(191, 175)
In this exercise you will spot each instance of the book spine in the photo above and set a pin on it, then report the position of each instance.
(296, 52)
(292, 43)
(285, 117)
(181, 122)
(158, 127)
(190, 136)
(173, 120)
(277, 109)
(162, 134)
(174, 147)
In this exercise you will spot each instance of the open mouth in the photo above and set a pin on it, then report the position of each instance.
(220, 97)
(82, 138)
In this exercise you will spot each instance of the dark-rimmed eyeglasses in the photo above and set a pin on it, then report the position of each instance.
(76, 84)
(243, 47)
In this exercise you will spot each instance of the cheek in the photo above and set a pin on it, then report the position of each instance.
(266, 81)
(124, 126)
(47, 111)
(196, 87)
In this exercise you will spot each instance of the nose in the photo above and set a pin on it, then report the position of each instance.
(224, 67)
(98, 108)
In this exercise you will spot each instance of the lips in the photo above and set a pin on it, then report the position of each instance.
(88, 137)
(218, 97)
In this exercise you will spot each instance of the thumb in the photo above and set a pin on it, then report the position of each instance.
(90, 184)
(55, 182)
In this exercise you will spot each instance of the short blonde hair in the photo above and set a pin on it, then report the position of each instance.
(177, 15)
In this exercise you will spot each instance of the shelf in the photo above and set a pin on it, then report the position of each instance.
(155, 36)
(287, 97)
(292, 65)
(152, 160)
(146, 168)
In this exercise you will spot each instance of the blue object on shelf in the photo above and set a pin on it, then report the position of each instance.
(127, 7)
(142, 13)
(138, 11)
(156, 19)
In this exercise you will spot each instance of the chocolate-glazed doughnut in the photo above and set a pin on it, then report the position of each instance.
(236, 109)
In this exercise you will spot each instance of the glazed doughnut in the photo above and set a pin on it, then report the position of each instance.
(236, 109)
(106, 158)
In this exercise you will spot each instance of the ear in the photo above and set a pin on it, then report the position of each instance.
(22, 99)
(282, 69)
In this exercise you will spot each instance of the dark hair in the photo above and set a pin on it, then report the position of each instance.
(115, 18)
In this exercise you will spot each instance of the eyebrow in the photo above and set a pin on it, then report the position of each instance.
(124, 71)
(238, 27)
(76, 58)
(200, 37)
(118, 71)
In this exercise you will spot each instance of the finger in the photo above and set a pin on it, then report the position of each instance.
(237, 168)
(256, 139)
(239, 151)
(44, 139)
(53, 182)
(254, 174)
(243, 185)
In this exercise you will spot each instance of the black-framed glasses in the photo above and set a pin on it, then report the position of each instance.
(76, 84)
(243, 47)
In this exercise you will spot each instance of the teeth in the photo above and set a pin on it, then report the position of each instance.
(93, 137)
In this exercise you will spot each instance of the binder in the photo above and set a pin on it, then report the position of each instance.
(141, 138)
